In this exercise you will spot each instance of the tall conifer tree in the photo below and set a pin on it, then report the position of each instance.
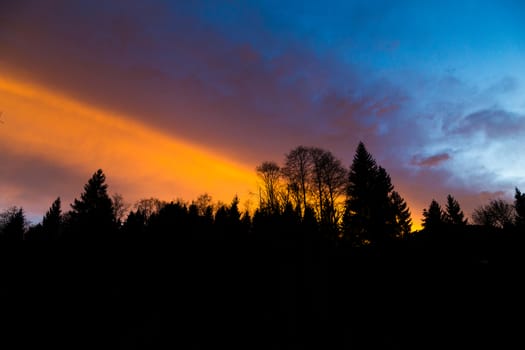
(519, 207)
(433, 216)
(402, 216)
(92, 216)
(52, 221)
(453, 214)
(373, 213)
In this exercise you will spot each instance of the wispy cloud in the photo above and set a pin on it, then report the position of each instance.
(431, 161)
(492, 123)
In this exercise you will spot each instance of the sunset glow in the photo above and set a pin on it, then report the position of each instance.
(143, 161)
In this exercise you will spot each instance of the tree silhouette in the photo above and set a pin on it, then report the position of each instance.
(270, 174)
(135, 225)
(171, 222)
(228, 220)
(309, 225)
(13, 224)
(358, 211)
(204, 204)
(149, 206)
(52, 221)
(497, 214)
(120, 208)
(433, 216)
(246, 223)
(328, 184)
(372, 214)
(92, 216)
(519, 207)
(384, 215)
(403, 221)
(453, 214)
(297, 171)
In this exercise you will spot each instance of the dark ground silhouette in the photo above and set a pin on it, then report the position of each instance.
(258, 294)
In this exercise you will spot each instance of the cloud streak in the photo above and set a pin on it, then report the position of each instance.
(431, 161)
(491, 123)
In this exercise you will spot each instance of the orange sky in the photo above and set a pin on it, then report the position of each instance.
(138, 160)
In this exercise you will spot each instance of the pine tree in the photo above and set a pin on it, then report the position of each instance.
(234, 219)
(403, 221)
(358, 212)
(453, 214)
(373, 212)
(13, 224)
(383, 217)
(519, 207)
(92, 216)
(52, 221)
(433, 216)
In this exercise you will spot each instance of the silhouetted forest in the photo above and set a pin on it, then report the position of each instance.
(328, 257)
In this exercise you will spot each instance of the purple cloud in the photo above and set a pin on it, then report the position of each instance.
(493, 123)
(431, 161)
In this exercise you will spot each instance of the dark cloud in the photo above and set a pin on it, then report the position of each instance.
(431, 161)
(493, 123)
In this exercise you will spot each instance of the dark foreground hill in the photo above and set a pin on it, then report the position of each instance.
(259, 294)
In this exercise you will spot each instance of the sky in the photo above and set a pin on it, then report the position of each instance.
(176, 98)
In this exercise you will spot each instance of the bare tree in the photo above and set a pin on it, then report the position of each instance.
(497, 213)
(203, 203)
(297, 171)
(270, 175)
(149, 206)
(329, 183)
(120, 207)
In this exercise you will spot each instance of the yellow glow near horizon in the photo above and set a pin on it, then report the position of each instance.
(416, 223)
(52, 127)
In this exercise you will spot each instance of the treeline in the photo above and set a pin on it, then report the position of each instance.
(497, 214)
(322, 228)
(310, 195)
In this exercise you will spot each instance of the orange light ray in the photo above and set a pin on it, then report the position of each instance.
(151, 162)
